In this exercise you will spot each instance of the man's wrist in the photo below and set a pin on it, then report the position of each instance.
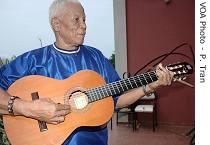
(150, 89)
(20, 107)
(10, 104)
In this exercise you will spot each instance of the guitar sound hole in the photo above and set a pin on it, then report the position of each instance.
(77, 100)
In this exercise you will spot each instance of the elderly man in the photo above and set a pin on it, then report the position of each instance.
(61, 60)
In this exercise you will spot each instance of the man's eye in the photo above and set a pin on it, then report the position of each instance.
(76, 19)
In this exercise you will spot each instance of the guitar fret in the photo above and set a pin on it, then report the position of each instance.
(88, 95)
(140, 80)
(91, 95)
(130, 83)
(149, 80)
(94, 94)
(154, 75)
(106, 91)
(144, 82)
(121, 86)
(113, 84)
(145, 78)
(150, 77)
(100, 94)
(109, 89)
(134, 81)
(117, 87)
(125, 84)
(102, 91)
(113, 89)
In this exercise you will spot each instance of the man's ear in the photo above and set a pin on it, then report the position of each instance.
(55, 22)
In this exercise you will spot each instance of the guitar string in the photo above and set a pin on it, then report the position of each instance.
(124, 85)
(119, 85)
(132, 80)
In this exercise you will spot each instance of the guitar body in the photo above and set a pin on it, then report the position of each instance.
(25, 131)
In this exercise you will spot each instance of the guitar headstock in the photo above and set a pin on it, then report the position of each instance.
(181, 70)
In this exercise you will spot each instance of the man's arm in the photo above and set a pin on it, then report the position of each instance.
(42, 109)
(4, 98)
(164, 78)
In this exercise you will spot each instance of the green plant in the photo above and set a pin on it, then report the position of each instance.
(3, 136)
(112, 59)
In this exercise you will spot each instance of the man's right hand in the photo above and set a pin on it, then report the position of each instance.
(43, 109)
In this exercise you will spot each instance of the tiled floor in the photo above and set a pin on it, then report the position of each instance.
(164, 135)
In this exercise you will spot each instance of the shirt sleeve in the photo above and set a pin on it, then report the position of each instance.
(11, 72)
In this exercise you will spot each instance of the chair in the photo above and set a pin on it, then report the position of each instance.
(147, 105)
(129, 112)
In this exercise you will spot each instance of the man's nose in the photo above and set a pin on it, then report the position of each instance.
(83, 25)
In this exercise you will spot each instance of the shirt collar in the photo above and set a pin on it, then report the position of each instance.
(66, 51)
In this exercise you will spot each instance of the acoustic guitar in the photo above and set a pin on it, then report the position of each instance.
(86, 92)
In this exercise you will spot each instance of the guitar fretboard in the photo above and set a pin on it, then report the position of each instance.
(120, 86)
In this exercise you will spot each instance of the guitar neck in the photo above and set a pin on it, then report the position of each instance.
(120, 86)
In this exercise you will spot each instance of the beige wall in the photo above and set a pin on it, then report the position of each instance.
(120, 36)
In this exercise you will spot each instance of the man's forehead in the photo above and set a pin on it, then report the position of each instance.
(74, 9)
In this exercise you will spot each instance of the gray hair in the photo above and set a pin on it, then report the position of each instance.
(57, 7)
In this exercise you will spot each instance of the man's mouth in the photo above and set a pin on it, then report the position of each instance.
(81, 34)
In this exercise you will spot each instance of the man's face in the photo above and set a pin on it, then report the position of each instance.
(72, 26)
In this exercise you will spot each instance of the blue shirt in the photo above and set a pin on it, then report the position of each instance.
(54, 62)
